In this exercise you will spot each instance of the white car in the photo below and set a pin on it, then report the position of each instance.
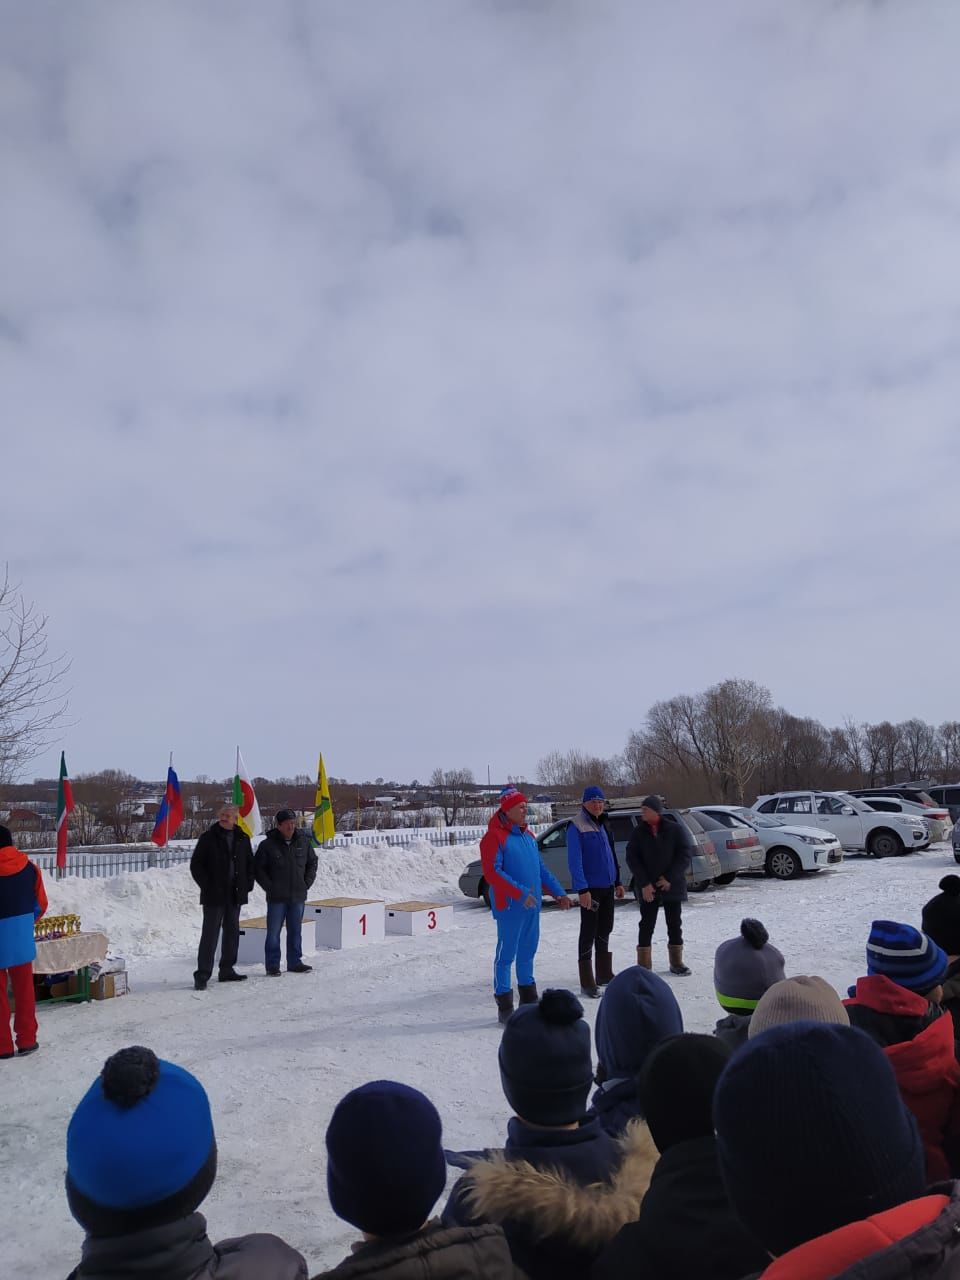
(852, 821)
(938, 820)
(788, 850)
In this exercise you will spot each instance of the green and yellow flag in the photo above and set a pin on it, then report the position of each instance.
(324, 827)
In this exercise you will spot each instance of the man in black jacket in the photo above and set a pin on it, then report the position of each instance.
(286, 867)
(658, 854)
(222, 865)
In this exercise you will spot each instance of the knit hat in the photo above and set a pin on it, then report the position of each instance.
(509, 797)
(676, 1087)
(385, 1163)
(941, 916)
(140, 1146)
(905, 956)
(6, 839)
(812, 1133)
(799, 999)
(637, 1011)
(285, 815)
(545, 1065)
(744, 967)
(652, 802)
(592, 793)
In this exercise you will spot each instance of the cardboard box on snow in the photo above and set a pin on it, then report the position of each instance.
(109, 985)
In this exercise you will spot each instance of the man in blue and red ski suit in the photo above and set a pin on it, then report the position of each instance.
(517, 878)
(23, 901)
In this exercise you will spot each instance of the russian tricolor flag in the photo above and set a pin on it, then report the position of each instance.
(170, 813)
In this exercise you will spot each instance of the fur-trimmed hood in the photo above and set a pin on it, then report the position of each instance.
(549, 1202)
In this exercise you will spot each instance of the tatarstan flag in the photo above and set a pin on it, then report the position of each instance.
(64, 809)
(324, 826)
(246, 801)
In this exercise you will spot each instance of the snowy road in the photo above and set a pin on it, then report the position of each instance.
(276, 1056)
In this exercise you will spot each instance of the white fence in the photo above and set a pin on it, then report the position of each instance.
(112, 859)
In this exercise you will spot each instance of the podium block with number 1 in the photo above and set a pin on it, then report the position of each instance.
(346, 922)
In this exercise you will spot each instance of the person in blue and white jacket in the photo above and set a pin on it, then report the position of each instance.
(517, 879)
(595, 876)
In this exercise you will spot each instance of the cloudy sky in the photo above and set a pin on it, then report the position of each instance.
(440, 383)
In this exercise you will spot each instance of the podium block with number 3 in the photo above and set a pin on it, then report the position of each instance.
(416, 918)
(346, 922)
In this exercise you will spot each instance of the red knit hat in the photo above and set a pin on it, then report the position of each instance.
(511, 797)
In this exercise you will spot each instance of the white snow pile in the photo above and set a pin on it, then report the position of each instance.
(156, 913)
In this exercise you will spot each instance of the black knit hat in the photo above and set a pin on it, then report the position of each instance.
(941, 916)
(812, 1133)
(652, 802)
(545, 1064)
(6, 839)
(385, 1163)
(676, 1087)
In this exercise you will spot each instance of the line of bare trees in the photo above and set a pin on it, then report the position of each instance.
(730, 743)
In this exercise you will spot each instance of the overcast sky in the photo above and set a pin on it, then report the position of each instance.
(442, 383)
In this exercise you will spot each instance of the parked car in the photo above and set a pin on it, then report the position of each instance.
(738, 845)
(788, 850)
(703, 870)
(956, 842)
(851, 820)
(912, 791)
(948, 797)
(937, 820)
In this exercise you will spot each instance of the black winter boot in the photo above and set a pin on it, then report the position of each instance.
(528, 993)
(504, 1006)
(588, 984)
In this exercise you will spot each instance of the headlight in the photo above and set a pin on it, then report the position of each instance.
(810, 839)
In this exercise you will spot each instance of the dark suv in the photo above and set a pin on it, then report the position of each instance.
(948, 796)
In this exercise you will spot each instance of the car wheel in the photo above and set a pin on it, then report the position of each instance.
(485, 893)
(885, 844)
(956, 855)
(783, 864)
(728, 878)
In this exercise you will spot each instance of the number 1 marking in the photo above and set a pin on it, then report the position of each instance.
(363, 925)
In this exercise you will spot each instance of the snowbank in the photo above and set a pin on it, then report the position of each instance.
(156, 913)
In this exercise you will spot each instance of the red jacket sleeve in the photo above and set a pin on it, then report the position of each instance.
(40, 894)
(500, 886)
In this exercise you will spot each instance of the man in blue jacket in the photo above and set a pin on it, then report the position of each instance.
(595, 876)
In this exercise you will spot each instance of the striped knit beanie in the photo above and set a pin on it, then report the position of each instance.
(745, 966)
(905, 956)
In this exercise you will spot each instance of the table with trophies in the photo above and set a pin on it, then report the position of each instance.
(63, 948)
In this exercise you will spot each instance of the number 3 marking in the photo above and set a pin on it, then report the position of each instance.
(431, 919)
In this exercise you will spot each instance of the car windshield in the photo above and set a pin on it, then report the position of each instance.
(759, 819)
(857, 805)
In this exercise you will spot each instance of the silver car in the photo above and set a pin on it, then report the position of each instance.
(738, 845)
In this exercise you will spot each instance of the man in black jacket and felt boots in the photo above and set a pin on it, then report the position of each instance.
(222, 865)
(286, 866)
(658, 854)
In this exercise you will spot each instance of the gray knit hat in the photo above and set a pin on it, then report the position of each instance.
(800, 999)
(744, 967)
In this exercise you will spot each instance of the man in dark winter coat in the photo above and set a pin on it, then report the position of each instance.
(595, 876)
(141, 1158)
(286, 867)
(658, 854)
(222, 865)
(941, 922)
(686, 1225)
(824, 1165)
(638, 1010)
(562, 1188)
(385, 1172)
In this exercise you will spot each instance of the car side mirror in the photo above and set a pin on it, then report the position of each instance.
(845, 809)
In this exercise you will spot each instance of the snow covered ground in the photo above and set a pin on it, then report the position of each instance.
(276, 1056)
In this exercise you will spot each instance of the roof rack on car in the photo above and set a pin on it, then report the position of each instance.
(566, 808)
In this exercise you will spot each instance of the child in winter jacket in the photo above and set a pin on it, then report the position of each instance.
(141, 1158)
(823, 1162)
(898, 1005)
(385, 1172)
(23, 900)
(561, 1188)
(743, 969)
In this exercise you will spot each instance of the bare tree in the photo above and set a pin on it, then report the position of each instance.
(109, 794)
(451, 788)
(575, 768)
(918, 747)
(948, 738)
(32, 701)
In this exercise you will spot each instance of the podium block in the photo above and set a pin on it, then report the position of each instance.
(417, 918)
(253, 934)
(346, 922)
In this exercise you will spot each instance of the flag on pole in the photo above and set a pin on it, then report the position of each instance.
(170, 813)
(64, 809)
(246, 801)
(324, 826)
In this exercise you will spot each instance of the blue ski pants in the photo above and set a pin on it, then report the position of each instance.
(518, 936)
